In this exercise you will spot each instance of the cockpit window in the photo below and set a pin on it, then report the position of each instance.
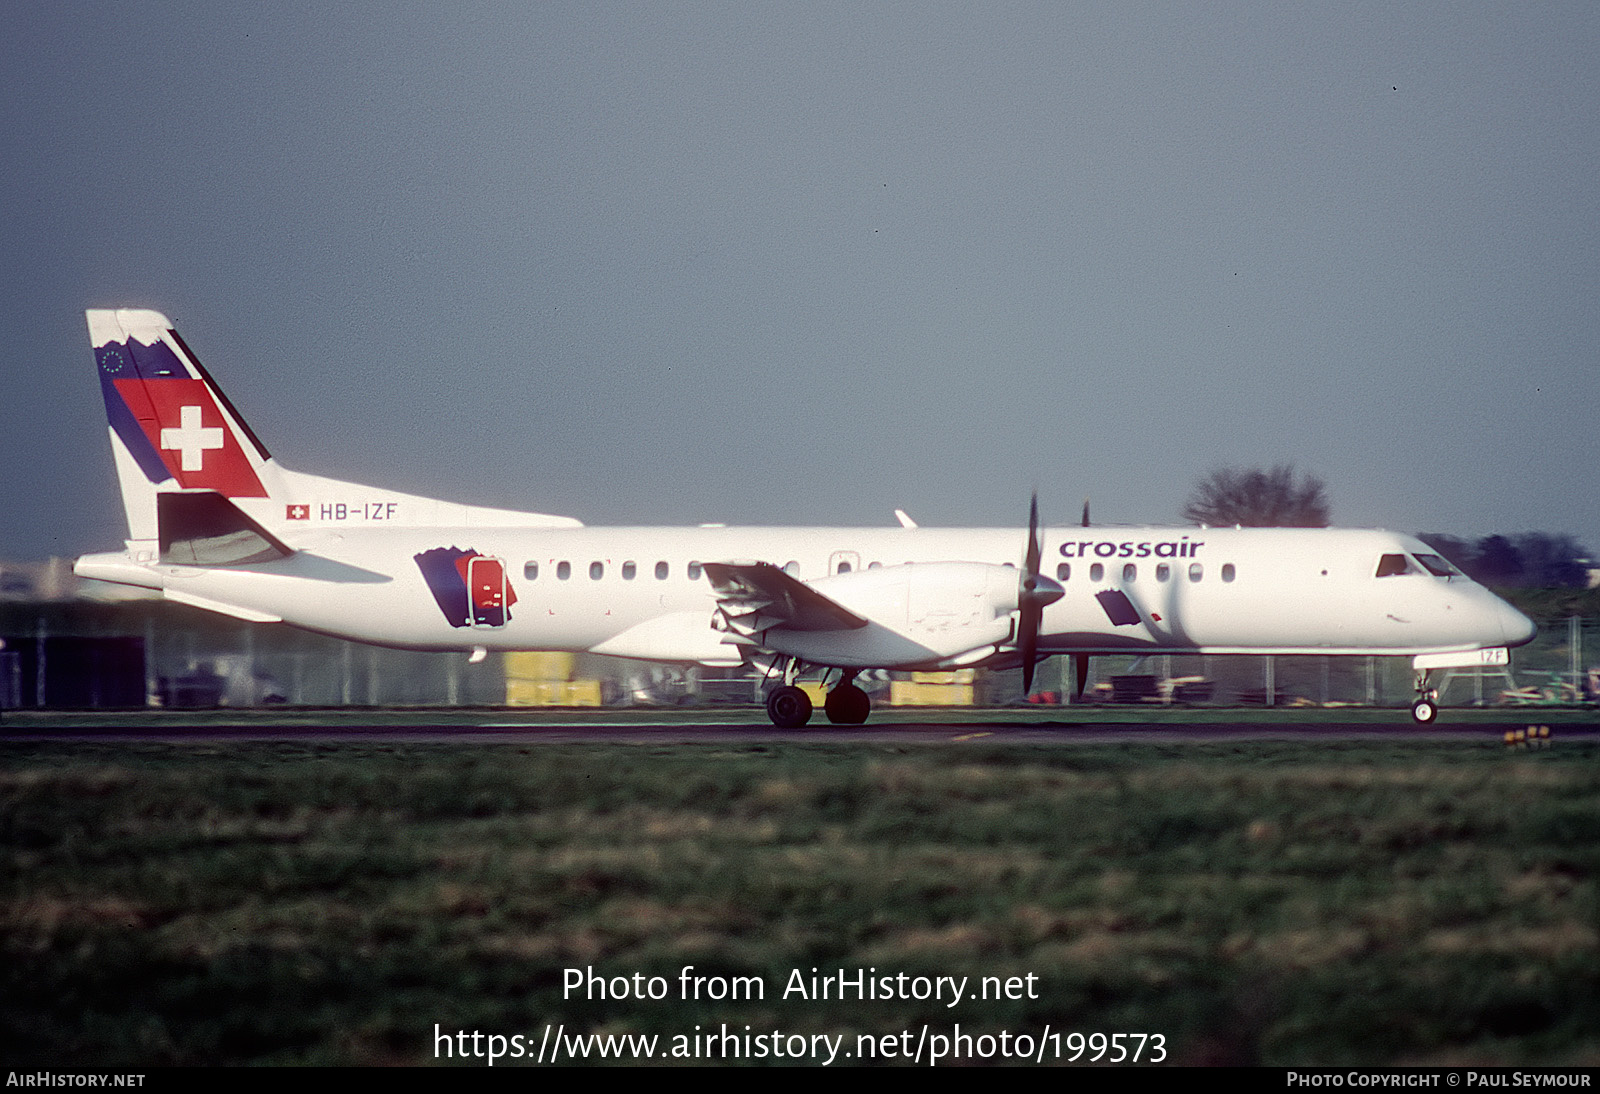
(1437, 566)
(1393, 565)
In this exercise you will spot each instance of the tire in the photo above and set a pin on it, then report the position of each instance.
(847, 705)
(1424, 711)
(788, 707)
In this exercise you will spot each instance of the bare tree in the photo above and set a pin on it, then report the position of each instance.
(1258, 499)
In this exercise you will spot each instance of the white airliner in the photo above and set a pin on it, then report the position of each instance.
(215, 522)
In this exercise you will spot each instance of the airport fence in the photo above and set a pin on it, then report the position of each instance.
(93, 655)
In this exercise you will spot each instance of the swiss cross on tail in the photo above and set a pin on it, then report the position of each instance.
(166, 414)
(192, 437)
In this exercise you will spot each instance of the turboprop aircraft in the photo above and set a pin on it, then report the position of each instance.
(215, 522)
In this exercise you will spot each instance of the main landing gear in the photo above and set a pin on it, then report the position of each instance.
(1426, 708)
(847, 705)
(789, 707)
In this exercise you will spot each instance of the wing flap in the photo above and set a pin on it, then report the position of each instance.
(758, 595)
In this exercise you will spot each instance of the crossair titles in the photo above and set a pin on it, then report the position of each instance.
(1171, 548)
(863, 985)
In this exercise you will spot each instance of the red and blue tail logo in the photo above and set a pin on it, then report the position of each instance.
(472, 590)
(169, 417)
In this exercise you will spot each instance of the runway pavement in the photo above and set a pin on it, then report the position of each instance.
(740, 725)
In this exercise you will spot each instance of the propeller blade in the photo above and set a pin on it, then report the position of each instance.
(1086, 512)
(1034, 546)
(1034, 592)
(1080, 667)
(1028, 642)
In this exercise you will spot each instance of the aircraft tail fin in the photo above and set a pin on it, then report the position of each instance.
(171, 427)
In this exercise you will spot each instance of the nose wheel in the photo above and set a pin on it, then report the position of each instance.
(1426, 708)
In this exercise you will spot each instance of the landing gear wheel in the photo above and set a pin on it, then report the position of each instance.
(1424, 711)
(847, 705)
(788, 707)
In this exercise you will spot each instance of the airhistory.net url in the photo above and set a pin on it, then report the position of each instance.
(922, 1047)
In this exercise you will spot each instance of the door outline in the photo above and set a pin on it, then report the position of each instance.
(487, 590)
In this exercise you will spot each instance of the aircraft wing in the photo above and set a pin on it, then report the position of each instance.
(760, 595)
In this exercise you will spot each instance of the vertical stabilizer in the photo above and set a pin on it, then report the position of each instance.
(171, 429)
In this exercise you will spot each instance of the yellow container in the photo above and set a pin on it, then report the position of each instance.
(552, 693)
(955, 676)
(911, 693)
(582, 693)
(539, 665)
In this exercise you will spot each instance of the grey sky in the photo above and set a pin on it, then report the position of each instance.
(807, 263)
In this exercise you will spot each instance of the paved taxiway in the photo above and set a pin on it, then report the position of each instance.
(493, 728)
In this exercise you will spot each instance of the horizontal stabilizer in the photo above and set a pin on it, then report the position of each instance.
(221, 607)
(206, 529)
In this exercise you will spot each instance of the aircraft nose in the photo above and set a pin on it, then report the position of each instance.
(1517, 628)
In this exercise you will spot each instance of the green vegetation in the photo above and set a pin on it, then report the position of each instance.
(1254, 901)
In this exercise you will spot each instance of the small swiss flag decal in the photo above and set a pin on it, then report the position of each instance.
(297, 512)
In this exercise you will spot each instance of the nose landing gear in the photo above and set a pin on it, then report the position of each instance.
(1426, 707)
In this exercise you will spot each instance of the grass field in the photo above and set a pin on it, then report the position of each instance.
(1252, 901)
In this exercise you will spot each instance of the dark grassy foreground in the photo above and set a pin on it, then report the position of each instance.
(1255, 902)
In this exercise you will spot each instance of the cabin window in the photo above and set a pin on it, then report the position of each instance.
(1196, 571)
(844, 568)
(791, 567)
(629, 570)
(662, 569)
(1130, 572)
(530, 571)
(597, 570)
(874, 565)
(1097, 572)
(694, 571)
(1227, 571)
(1163, 571)
(563, 570)
(1063, 571)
